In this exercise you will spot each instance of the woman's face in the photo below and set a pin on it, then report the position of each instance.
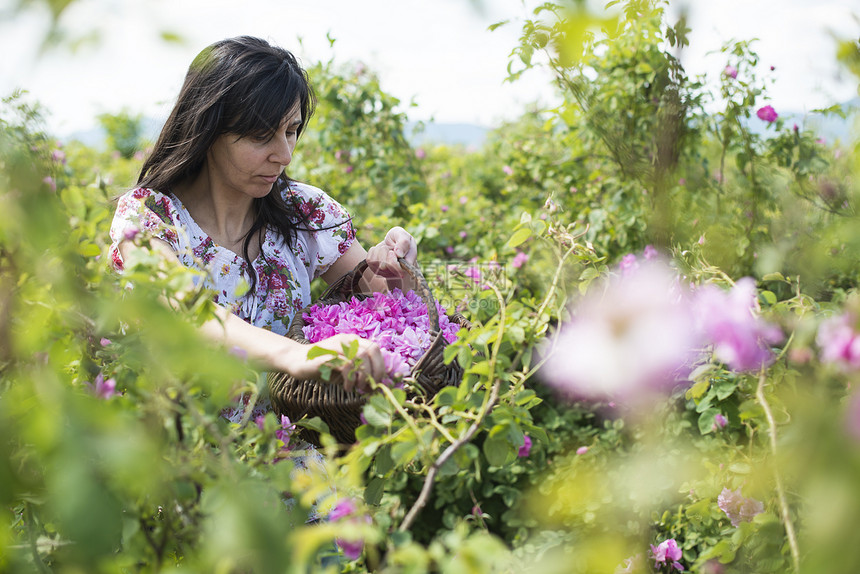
(251, 164)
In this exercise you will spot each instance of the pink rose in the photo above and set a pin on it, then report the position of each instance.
(767, 113)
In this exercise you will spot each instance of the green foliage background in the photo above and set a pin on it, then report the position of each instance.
(154, 479)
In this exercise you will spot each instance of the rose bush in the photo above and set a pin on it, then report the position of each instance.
(116, 454)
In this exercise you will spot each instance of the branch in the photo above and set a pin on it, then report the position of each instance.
(424, 496)
(488, 405)
(780, 489)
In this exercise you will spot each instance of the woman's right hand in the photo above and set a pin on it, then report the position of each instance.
(353, 373)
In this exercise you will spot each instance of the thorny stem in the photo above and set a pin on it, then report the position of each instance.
(555, 281)
(434, 421)
(409, 420)
(780, 489)
(33, 540)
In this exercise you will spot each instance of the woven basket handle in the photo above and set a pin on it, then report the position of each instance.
(421, 287)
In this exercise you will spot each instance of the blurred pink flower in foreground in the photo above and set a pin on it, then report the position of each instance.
(346, 509)
(852, 418)
(737, 507)
(839, 341)
(667, 552)
(103, 388)
(740, 338)
(767, 113)
(731, 71)
(631, 335)
(508, 170)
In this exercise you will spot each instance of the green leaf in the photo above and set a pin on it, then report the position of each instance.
(768, 297)
(314, 423)
(447, 396)
(698, 390)
(88, 249)
(374, 490)
(497, 449)
(404, 451)
(519, 236)
(375, 417)
(706, 421)
(384, 462)
(316, 351)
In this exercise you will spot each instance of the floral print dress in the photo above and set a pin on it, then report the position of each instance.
(284, 274)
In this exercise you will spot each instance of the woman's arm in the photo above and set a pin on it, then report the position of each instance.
(279, 353)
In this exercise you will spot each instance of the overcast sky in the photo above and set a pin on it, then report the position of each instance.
(438, 53)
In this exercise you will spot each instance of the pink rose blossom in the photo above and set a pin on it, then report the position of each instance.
(420, 153)
(344, 509)
(130, 232)
(631, 334)
(650, 252)
(839, 341)
(464, 200)
(463, 235)
(720, 421)
(667, 552)
(519, 260)
(526, 448)
(767, 113)
(443, 208)
(740, 338)
(103, 388)
(508, 170)
(396, 321)
(628, 264)
(582, 450)
(738, 508)
(731, 71)
(104, 342)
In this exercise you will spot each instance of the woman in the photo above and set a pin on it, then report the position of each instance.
(214, 195)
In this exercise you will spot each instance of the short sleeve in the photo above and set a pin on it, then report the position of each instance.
(326, 232)
(142, 211)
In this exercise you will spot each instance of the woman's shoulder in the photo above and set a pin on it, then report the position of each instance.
(304, 191)
(150, 200)
(144, 195)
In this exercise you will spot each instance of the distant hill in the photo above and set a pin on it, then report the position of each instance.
(830, 127)
(468, 135)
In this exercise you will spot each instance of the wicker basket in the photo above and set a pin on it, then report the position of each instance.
(341, 409)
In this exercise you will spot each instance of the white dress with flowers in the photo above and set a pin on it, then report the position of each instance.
(284, 275)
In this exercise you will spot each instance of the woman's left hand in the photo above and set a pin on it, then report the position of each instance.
(382, 258)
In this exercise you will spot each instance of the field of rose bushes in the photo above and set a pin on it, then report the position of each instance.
(660, 368)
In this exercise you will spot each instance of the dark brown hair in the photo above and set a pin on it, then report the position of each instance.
(243, 86)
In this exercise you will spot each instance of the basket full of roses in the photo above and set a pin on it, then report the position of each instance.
(411, 329)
